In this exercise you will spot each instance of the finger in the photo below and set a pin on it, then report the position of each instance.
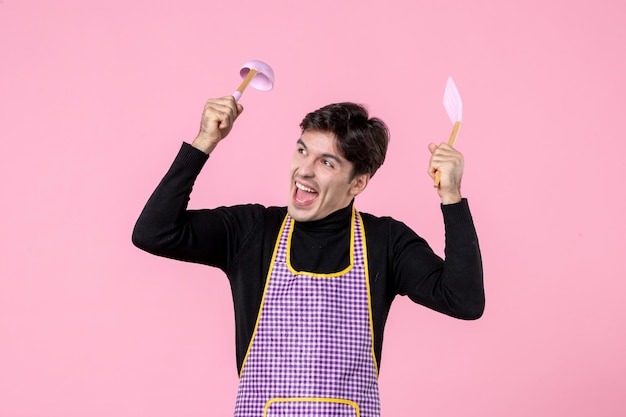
(433, 162)
(232, 109)
(447, 149)
(433, 166)
(226, 119)
(441, 161)
(226, 104)
(220, 111)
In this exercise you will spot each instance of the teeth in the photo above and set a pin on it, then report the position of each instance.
(303, 188)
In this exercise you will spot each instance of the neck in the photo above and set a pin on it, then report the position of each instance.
(337, 218)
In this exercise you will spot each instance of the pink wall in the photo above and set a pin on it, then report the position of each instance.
(95, 98)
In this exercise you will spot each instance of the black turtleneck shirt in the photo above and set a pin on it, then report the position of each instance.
(240, 241)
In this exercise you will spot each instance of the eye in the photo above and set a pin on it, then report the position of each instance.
(301, 151)
(327, 163)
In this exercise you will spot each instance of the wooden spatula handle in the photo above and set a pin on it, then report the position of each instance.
(247, 80)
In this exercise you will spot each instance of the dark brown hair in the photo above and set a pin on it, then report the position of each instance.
(360, 139)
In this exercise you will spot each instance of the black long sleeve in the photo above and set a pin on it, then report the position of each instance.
(240, 240)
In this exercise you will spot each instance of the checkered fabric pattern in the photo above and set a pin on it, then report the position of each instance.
(311, 354)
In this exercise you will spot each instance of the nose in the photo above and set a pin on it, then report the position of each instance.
(306, 168)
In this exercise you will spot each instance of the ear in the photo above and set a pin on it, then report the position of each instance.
(358, 184)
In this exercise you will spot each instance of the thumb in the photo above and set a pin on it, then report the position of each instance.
(432, 147)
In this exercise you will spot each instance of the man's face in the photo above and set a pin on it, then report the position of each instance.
(321, 178)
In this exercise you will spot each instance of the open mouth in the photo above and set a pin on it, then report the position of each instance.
(303, 195)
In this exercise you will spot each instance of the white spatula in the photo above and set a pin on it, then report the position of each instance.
(454, 107)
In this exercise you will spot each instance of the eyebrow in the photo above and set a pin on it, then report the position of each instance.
(325, 155)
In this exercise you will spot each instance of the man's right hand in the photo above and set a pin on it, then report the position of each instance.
(218, 118)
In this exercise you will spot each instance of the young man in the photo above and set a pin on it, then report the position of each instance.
(313, 282)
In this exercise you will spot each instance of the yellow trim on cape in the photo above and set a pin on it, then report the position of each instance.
(312, 400)
(267, 282)
(332, 274)
(369, 292)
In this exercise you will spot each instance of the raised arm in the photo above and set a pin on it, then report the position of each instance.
(165, 226)
(453, 286)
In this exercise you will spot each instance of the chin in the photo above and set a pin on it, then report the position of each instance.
(300, 215)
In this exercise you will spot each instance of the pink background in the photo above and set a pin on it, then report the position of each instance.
(95, 98)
